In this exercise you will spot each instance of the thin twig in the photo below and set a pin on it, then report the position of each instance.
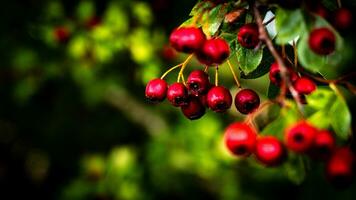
(170, 69)
(283, 69)
(216, 75)
(233, 74)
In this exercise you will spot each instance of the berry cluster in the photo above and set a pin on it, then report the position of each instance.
(242, 140)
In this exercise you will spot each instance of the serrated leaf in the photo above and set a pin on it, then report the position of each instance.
(200, 7)
(248, 59)
(318, 63)
(263, 68)
(340, 118)
(289, 25)
(231, 39)
(214, 19)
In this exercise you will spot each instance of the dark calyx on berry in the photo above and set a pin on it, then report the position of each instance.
(187, 39)
(177, 94)
(247, 101)
(240, 139)
(322, 41)
(198, 82)
(219, 99)
(214, 52)
(275, 76)
(194, 109)
(300, 137)
(248, 36)
(156, 90)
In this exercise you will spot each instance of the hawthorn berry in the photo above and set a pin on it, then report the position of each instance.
(219, 99)
(269, 151)
(213, 52)
(300, 137)
(187, 39)
(194, 109)
(168, 53)
(248, 36)
(198, 82)
(324, 144)
(61, 34)
(275, 77)
(156, 90)
(92, 22)
(322, 41)
(342, 19)
(240, 139)
(340, 166)
(247, 101)
(177, 94)
(304, 85)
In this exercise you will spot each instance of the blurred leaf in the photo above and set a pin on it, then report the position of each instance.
(273, 91)
(295, 168)
(85, 10)
(214, 19)
(321, 98)
(248, 59)
(142, 13)
(340, 118)
(320, 119)
(116, 19)
(289, 25)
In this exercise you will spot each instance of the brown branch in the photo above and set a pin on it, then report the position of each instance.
(283, 69)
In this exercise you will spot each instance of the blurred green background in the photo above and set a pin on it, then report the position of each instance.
(74, 123)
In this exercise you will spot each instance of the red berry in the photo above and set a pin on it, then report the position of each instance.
(240, 139)
(187, 39)
(219, 99)
(275, 77)
(248, 36)
(92, 22)
(169, 53)
(342, 19)
(156, 90)
(339, 168)
(269, 151)
(194, 109)
(324, 144)
(214, 52)
(300, 137)
(61, 34)
(304, 85)
(177, 94)
(247, 101)
(322, 41)
(198, 82)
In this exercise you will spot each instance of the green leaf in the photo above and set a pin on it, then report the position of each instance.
(200, 7)
(275, 128)
(321, 98)
(273, 91)
(289, 25)
(214, 19)
(249, 59)
(320, 119)
(295, 169)
(340, 118)
(318, 63)
(263, 68)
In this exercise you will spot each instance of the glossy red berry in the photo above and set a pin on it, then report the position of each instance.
(322, 41)
(304, 86)
(248, 36)
(324, 145)
(247, 101)
(340, 166)
(177, 94)
(275, 77)
(61, 34)
(269, 151)
(240, 139)
(194, 109)
(219, 99)
(156, 90)
(187, 39)
(169, 53)
(198, 82)
(300, 137)
(342, 19)
(214, 52)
